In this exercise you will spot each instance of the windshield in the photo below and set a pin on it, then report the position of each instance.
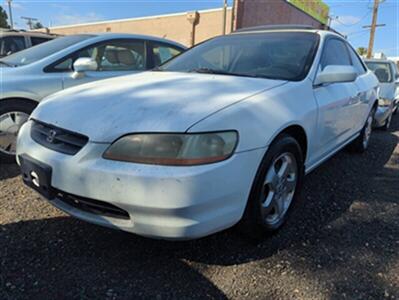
(275, 55)
(41, 51)
(381, 70)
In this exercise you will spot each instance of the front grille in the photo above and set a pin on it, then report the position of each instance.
(57, 139)
(92, 206)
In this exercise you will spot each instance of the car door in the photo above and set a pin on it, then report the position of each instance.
(335, 100)
(360, 104)
(114, 58)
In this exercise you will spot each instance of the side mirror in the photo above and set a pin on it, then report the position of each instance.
(82, 65)
(335, 73)
(397, 79)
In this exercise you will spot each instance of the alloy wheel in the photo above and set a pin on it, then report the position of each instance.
(367, 131)
(10, 123)
(279, 188)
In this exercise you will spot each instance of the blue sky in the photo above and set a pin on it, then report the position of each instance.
(352, 15)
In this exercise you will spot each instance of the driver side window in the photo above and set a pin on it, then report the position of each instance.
(121, 55)
(335, 53)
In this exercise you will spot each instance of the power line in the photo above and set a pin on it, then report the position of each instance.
(356, 23)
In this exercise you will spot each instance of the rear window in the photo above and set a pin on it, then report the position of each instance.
(38, 40)
(41, 51)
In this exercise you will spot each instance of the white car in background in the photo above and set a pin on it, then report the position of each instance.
(388, 76)
(30, 75)
(223, 133)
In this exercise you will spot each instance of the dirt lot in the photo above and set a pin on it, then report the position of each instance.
(341, 242)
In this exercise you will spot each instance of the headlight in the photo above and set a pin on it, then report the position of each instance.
(174, 149)
(384, 102)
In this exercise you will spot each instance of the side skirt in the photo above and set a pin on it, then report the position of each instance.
(329, 155)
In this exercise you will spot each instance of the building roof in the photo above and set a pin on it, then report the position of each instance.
(137, 18)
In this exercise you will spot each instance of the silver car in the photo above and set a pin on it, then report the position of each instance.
(388, 76)
(28, 76)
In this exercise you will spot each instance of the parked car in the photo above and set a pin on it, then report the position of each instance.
(223, 133)
(388, 76)
(30, 75)
(12, 41)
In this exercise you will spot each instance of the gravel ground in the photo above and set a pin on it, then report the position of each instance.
(341, 242)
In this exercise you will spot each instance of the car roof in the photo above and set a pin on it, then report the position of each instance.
(10, 32)
(110, 35)
(287, 28)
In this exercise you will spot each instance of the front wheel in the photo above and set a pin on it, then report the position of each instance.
(275, 188)
(13, 114)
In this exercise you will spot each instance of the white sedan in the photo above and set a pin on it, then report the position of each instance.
(222, 134)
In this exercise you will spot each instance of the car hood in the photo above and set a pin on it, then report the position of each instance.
(146, 102)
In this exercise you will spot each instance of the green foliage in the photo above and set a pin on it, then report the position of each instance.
(362, 50)
(3, 19)
(37, 25)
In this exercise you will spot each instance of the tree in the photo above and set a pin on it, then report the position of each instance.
(37, 25)
(3, 19)
(362, 50)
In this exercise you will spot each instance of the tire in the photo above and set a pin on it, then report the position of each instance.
(387, 124)
(13, 114)
(262, 215)
(361, 143)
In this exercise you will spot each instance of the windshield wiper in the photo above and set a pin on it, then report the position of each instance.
(220, 72)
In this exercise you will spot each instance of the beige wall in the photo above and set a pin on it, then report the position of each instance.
(174, 27)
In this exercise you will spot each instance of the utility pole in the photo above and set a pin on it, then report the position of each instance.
(372, 28)
(29, 21)
(224, 16)
(10, 13)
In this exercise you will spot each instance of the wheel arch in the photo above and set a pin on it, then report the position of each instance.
(299, 134)
(22, 99)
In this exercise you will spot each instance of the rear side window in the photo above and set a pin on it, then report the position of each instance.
(12, 44)
(335, 53)
(113, 55)
(356, 62)
(163, 52)
(38, 40)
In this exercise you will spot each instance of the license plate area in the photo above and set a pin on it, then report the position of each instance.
(36, 175)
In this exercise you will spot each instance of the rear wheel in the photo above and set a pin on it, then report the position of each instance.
(387, 124)
(13, 114)
(275, 188)
(361, 143)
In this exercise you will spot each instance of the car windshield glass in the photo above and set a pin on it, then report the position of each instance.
(43, 50)
(381, 70)
(275, 55)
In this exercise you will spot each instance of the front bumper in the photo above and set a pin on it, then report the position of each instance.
(162, 201)
(381, 115)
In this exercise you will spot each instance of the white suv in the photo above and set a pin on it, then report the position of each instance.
(223, 133)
